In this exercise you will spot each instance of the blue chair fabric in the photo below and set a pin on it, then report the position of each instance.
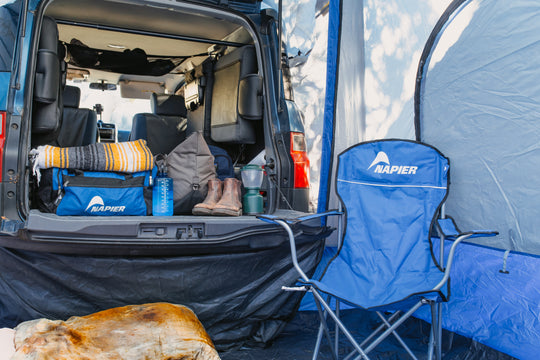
(391, 191)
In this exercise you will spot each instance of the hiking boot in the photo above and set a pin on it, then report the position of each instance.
(214, 195)
(230, 203)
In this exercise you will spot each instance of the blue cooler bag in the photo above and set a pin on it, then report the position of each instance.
(91, 193)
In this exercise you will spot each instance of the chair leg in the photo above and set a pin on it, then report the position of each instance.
(324, 309)
(320, 333)
(431, 341)
(398, 338)
(394, 326)
(336, 331)
(379, 329)
(374, 333)
(324, 326)
(318, 343)
(450, 341)
(439, 331)
(320, 301)
(435, 341)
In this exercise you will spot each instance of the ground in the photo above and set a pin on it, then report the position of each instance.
(298, 338)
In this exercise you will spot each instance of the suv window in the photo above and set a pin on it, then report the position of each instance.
(8, 31)
(114, 108)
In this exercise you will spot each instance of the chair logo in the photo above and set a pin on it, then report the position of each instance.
(97, 205)
(382, 166)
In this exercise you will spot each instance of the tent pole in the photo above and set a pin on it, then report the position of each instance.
(280, 44)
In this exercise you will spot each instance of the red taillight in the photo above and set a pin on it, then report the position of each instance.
(300, 160)
(2, 138)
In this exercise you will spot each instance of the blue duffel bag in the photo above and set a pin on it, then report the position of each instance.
(222, 162)
(92, 193)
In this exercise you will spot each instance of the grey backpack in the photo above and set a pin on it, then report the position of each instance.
(190, 165)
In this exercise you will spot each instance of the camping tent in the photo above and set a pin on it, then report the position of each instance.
(476, 90)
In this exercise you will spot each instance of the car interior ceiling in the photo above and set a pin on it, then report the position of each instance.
(214, 67)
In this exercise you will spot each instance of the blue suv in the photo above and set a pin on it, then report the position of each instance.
(79, 72)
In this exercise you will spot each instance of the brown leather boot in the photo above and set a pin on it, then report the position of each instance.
(230, 203)
(214, 195)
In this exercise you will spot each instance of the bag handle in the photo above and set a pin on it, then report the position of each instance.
(79, 172)
(161, 163)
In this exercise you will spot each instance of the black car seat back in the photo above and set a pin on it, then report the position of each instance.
(79, 125)
(236, 97)
(50, 75)
(165, 127)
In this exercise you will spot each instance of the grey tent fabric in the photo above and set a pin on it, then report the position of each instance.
(480, 105)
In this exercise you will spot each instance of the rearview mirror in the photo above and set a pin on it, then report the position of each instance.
(102, 86)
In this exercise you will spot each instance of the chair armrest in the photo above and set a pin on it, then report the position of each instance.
(448, 228)
(286, 224)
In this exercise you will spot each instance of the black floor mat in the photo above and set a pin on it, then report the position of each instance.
(297, 340)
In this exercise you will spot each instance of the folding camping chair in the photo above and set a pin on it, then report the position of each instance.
(392, 193)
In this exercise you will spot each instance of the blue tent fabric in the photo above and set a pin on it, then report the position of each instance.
(390, 190)
(494, 301)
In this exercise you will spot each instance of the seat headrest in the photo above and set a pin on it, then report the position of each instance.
(72, 96)
(168, 105)
(48, 39)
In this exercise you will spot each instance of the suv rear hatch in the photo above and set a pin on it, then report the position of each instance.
(181, 234)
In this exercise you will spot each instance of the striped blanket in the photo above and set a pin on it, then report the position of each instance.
(129, 156)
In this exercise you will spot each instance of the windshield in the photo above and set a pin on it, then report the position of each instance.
(115, 109)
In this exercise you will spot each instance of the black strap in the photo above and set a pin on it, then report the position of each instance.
(208, 69)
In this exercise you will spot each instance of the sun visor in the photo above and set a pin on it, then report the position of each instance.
(131, 89)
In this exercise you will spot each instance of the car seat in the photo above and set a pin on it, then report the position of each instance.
(236, 97)
(49, 80)
(165, 127)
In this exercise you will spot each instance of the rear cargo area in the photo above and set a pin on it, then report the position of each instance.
(103, 84)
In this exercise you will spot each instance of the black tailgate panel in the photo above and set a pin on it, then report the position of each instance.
(146, 235)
